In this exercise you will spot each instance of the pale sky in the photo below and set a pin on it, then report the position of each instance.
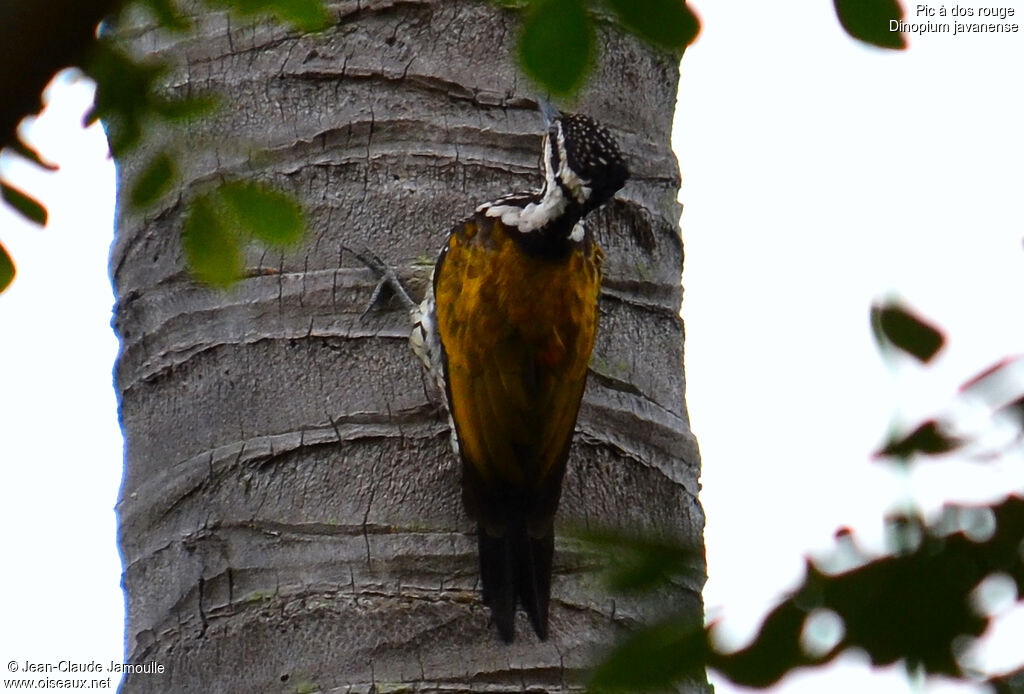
(818, 176)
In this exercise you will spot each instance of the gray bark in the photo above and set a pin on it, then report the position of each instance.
(290, 517)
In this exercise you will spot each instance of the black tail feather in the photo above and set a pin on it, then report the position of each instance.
(516, 568)
(496, 576)
(533, 581)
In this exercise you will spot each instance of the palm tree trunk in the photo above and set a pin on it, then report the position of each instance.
(290, 517)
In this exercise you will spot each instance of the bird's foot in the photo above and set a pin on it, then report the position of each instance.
(388, 283)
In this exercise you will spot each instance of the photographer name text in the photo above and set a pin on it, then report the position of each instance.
(93, 666)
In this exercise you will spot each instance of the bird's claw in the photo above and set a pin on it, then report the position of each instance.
(387, 282)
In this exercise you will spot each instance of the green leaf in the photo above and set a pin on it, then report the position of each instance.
(210, 248)
(168, 15)
(124, 93)
(637, 564)
(557, 43)
(305, 15)
(653, 658)
(896, 326)
(269, 215)
(6, 269)
(869, 21)
(668, 24)
(29, 207)
(185, 109)
(153, 182)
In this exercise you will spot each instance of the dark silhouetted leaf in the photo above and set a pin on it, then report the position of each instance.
(653, 658)
(32, 155)
(30, 208)
(306, 15)
(38, 38)
(666, 23)
(869, 21)
(915, 605)
(153, 182)
(269, 215)
(896, 326)
(210, 247)
(6, 269)
(927, 439)
(1009, 683)
(557, 43)
(636, 563)
(774, 652)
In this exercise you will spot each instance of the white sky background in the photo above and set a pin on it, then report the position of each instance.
(60, 444)
(818, 175)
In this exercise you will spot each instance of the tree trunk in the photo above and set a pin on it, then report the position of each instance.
(290, 517)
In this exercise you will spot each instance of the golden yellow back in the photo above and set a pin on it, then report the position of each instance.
(517, 332)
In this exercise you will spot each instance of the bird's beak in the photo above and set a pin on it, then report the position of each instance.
(549, 112)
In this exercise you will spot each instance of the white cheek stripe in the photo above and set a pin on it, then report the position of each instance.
(536, 215)
(579, 189)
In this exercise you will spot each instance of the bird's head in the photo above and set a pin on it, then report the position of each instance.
(582, 159)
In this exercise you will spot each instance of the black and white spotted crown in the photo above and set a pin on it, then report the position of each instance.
(593, 155)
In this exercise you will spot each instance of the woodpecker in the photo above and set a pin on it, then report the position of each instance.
(506, 330)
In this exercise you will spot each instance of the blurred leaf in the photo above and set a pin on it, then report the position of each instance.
(6, 269)
(1009, 683)
(917, 606)
(186, 108)
(896, 326)
(668, 24)
(868, 21)
(210, 248)
(927, 439)
(29, 207)
(557, 44)
(124, 93)
(653, 658)
(168, 15)
(637, 564)
(22, 149)
(153, 182)
(1014, 409)
(305, 15)
(269, 215)
(775, 651)
(914, 606)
